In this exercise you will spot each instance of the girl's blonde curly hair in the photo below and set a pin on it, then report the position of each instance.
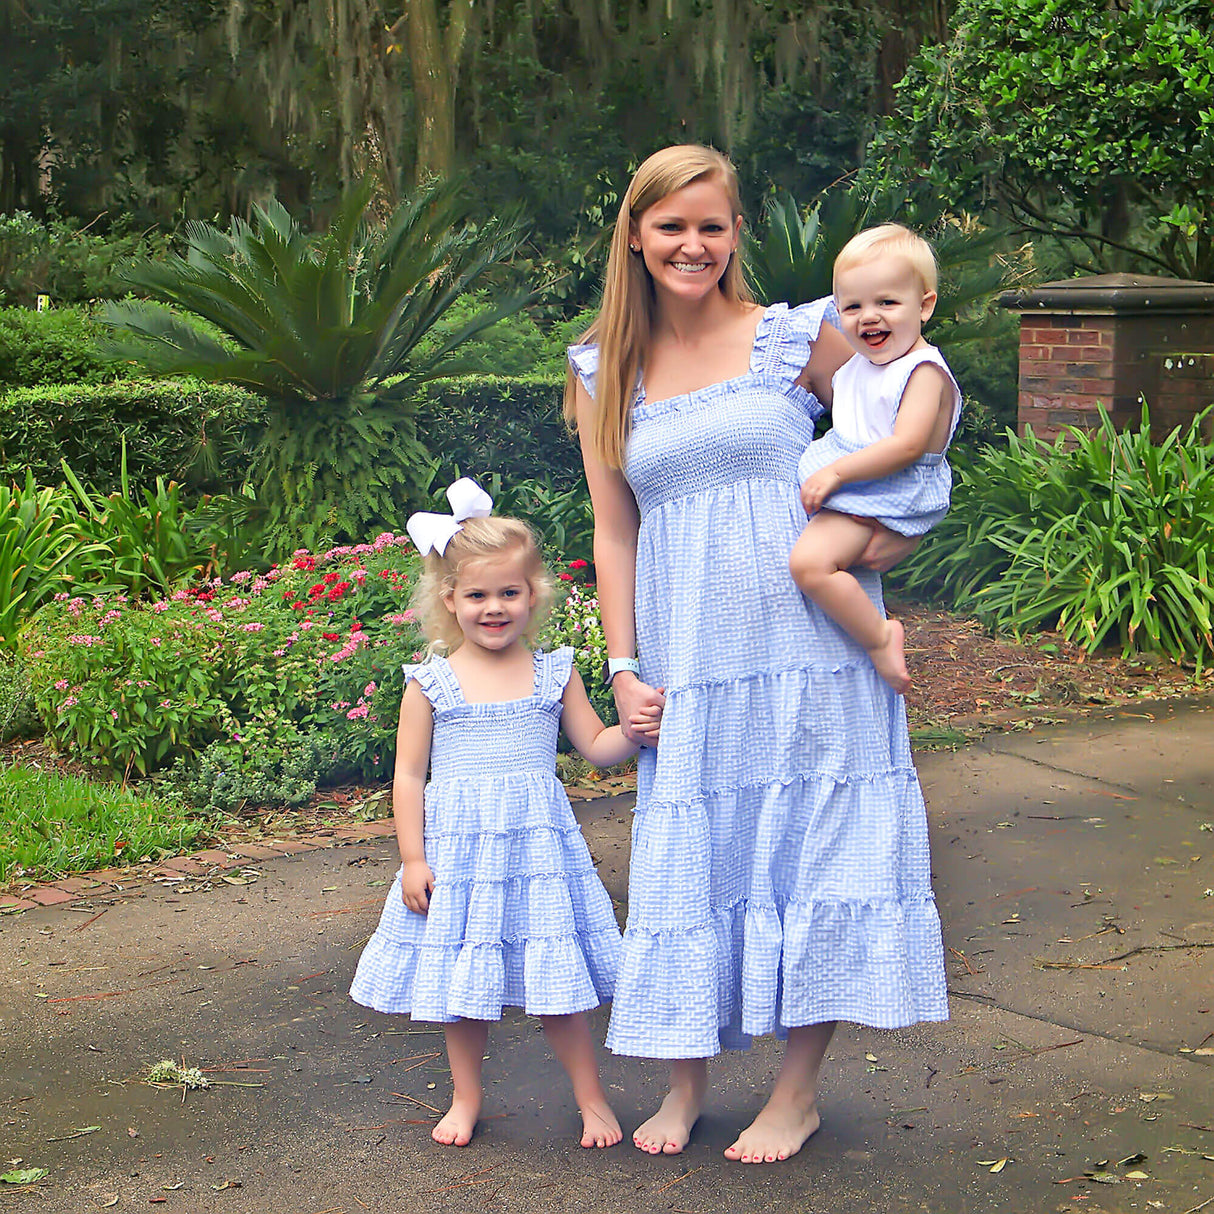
(478, 539)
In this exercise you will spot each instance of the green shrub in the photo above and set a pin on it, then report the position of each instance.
(185, 430)
(313, 648)
(18, 716)
(54, 347)
(480, 425)
(1106, 538)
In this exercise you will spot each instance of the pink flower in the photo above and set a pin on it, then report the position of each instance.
(162, 605)
(156, 642)
(70, 702)
(61, 685)
(357, 713)
(251, 627)
(113, 715)
(359, 576)
(369, 690)
(242, 576)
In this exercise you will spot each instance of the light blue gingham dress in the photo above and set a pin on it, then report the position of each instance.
(518, 916)
(779, 872)
(912, 500)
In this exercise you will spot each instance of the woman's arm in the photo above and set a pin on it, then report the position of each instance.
(616, 523)
(408, 801)
(830, 351)
(603, 745)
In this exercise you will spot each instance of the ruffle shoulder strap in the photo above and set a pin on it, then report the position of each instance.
(556, 667)
(584, 360)
(429, 676)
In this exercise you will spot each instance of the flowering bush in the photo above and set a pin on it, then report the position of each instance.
(312, 647)
(576, 622)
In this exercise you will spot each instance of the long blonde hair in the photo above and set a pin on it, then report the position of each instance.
(624, 325)
(478, 539)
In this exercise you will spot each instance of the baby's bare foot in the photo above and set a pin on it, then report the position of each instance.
(667, 1131)
(890, 658)
(455, 1129)
(599, 1125)
(778, 1132)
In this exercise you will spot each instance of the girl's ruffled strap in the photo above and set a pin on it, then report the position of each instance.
(584, 360)
(428, 677)
(554, 673)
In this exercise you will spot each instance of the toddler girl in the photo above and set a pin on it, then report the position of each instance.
(894, 408)
(497, 901)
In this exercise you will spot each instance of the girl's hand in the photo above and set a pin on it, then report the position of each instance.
(416, 885)
(819, 487)
(886, 549)
(637, 702)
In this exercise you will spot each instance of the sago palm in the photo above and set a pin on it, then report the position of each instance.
(332, 330)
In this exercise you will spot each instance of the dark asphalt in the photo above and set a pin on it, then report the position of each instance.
(1075, 875)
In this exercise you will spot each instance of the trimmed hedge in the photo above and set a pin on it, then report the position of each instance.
(55, 347)
(186, 430)
(479, 425)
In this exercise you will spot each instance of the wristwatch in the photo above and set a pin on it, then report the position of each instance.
(614, 666)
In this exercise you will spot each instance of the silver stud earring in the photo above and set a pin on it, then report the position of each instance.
(636, 248)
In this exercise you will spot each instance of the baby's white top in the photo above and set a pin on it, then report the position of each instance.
(867, 396)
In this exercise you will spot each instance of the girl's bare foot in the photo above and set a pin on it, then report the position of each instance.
(599, 1126)
(667, 1131)
(890, 658)
(455, 1129)
(778, 1132)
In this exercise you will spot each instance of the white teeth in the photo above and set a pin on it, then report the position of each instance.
(689, 267)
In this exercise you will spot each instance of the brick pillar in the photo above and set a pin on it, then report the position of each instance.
(1110, 341)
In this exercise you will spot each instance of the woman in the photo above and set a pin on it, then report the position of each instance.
(779, 876)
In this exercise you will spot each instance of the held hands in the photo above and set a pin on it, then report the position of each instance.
(639, 707)
(416, 885)
(819, 487)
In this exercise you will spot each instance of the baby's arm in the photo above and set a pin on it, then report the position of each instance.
(601, 744)
(928, 396)
(408, 795)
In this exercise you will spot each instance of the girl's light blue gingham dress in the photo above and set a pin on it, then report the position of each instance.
(518, 916)
(913, 500)
(779, 872)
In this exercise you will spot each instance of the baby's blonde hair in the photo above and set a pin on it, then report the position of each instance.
(889, 240)
(478, 539)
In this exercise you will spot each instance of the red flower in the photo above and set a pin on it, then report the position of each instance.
(331, 636)
(331, 577)
(316, 591)
(565, 577)
(297, 605)
(304, 562)
(578, 564)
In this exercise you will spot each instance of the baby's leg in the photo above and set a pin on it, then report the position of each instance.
(828, 547)
(466, 1041)
(573, 1045)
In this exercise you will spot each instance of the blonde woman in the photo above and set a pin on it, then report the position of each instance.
(779, 875)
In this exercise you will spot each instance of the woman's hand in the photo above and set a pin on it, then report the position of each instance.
(886, 549)
(639, 707)
(416, 885)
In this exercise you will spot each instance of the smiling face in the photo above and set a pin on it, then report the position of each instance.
(882, 308)
(492, 600)
(687, 239)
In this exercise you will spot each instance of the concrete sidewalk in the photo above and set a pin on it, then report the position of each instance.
(1073, 870)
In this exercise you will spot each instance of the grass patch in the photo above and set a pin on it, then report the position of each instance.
(53, 824)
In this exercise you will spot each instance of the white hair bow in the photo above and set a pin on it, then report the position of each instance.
(433, 532)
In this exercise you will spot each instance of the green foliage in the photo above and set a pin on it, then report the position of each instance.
(262, 766)
(59, 346)
(39, 536)
(576, 622)
(136, 540)
(479, 426)
(197, 433)
(312, 649)
(52, 824)
(1105, 539)
(59, 259)
(1089, 121)
(331, 330)
(18, 718)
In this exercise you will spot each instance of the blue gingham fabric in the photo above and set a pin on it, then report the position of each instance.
(911, 501)
(518, 916)
(779, 872)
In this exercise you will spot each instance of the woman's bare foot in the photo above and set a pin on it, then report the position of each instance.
(667, 1131)
(455, 1129)
(890, 658)
(778, 1132)
(599, 1125)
